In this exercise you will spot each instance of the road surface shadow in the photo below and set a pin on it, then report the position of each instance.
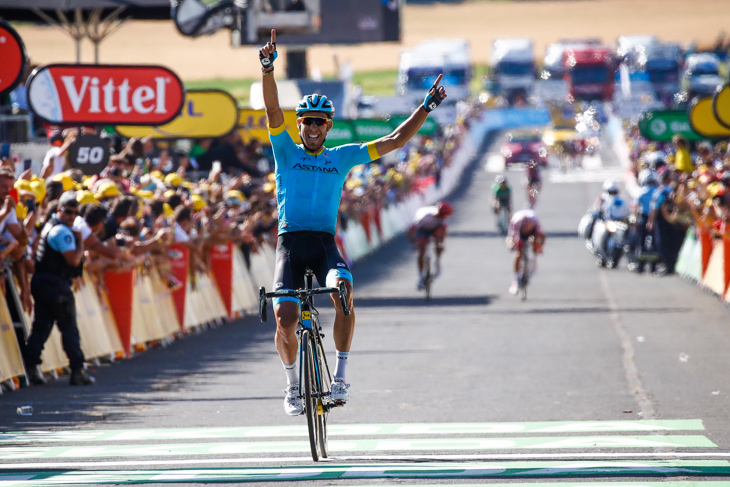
(420, 301)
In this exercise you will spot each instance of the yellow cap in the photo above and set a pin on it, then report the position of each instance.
(235, 194)
(157, 174)
(269, 187)
(170, 192)
(145, 194)
(174, 178)
(84, 197)
(22, 184)
(108, 190)
(198, 202)
(39, 189)
(167, 210)
(66, 180)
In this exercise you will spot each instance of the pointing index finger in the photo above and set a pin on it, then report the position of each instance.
(438, 80)
(273, 36)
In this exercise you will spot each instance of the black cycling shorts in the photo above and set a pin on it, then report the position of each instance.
(295, 251)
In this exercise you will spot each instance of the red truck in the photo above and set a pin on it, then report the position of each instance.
(590, 72)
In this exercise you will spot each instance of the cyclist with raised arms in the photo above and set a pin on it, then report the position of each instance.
(524, 227)
(429, 223)
(309, 180)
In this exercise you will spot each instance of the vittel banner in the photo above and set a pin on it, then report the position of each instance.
(105, 94)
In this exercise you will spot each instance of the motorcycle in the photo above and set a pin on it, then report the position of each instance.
(608, 239)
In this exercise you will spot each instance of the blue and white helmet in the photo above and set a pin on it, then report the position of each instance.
(315, 103)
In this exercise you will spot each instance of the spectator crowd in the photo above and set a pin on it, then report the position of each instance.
(682, 184)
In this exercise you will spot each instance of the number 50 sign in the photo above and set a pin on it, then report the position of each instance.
(90, 153)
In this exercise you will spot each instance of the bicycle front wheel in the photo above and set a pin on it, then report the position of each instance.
(323, 390)
(310, 393)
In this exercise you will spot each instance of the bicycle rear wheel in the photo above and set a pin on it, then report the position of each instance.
(310, 393)
(524, 274)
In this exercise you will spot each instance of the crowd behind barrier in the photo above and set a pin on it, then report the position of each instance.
(690, 207)
(173, 247)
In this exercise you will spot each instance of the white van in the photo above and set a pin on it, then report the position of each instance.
(512, 67)
(419, 67)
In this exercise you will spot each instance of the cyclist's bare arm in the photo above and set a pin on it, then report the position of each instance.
(405, 131)
(274, 115)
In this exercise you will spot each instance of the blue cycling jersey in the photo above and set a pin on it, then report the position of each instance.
(309, 185)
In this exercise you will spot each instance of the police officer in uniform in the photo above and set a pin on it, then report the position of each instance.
(58, 261)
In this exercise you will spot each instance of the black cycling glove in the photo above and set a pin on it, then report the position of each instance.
(267, 62)
(432, 101)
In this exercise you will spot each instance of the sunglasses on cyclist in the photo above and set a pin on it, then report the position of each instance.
(314, 120)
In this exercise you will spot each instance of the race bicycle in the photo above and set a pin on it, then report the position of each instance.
(429, 263)
(314, 373)
(503, 219)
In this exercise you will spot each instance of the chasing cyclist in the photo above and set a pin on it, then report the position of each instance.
(429, 223)
(533, 182)
(524, 227)
(501, 196)
(309, 180)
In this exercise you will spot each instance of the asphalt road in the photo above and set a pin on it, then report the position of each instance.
(600, 375)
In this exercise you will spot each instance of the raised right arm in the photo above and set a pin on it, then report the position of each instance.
(267, 54)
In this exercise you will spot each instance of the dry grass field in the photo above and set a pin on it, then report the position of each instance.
(480, 22)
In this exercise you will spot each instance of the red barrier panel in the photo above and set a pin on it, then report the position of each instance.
(365, 221)
(179, 256)
(726, 262)
(705, 245)
(120, 286)
(376, 219)
(221, 263)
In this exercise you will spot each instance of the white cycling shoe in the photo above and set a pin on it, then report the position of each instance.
(339, 391)
(514, 289)
(292, 402)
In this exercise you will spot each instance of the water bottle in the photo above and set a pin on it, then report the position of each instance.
(25, 411)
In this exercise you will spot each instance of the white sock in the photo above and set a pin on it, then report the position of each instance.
(292, 378)
(341, 365)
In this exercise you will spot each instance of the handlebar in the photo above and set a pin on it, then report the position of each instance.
(301, 295)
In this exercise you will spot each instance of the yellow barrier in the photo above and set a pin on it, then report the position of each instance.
(11, 363)
(245, 293)
(203, 303)
(154, 315)
(153, 312)
(95, 335)
(714, 278)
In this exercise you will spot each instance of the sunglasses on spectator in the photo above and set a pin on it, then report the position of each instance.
(314, 120)
(69, 211)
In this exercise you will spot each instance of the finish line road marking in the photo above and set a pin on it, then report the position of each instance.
(666, 456)
(355, 430)
(438, 444)
(401, 471)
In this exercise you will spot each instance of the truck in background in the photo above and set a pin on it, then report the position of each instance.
(589, 72)
(513, 73)
(419, 67)
(663, 64)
